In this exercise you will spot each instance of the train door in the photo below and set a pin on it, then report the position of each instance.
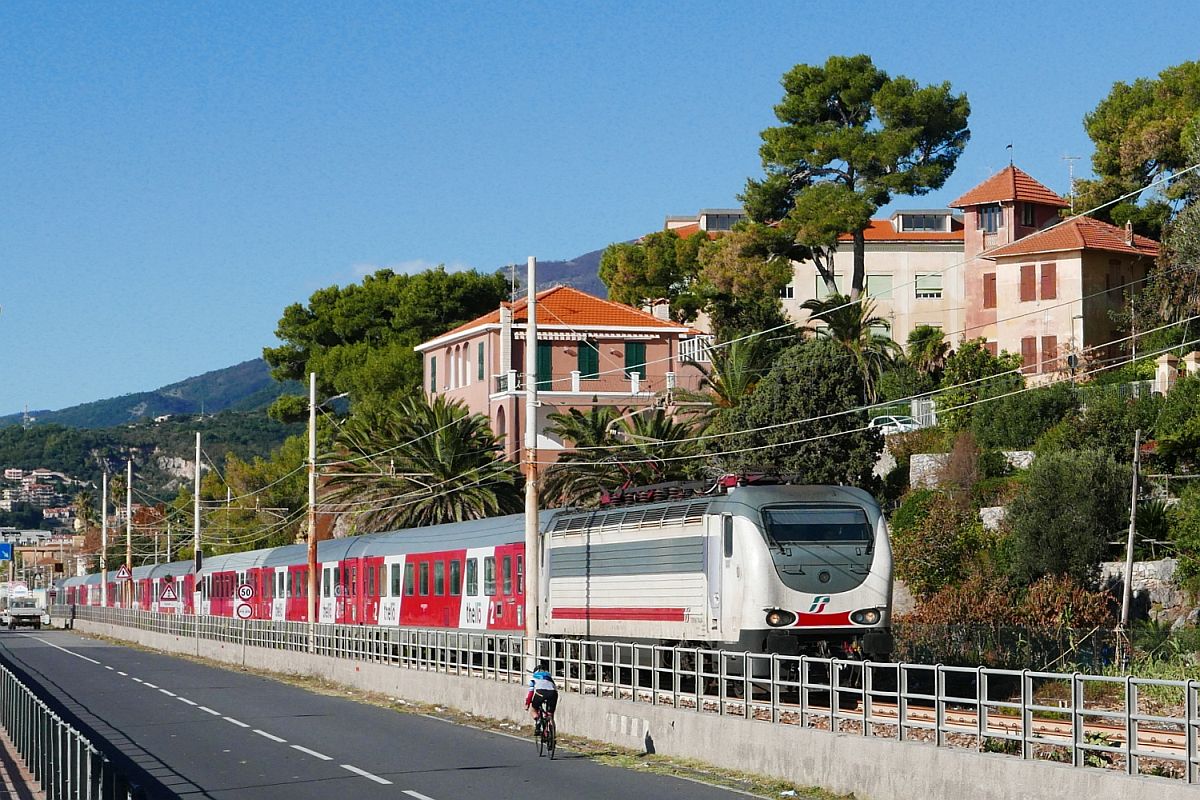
(374, 588)
(719, 545)
(263, 581)
(297, 598)
(327, 611)
(279, 597)
(474, 606)
(187, 599)
(347, 592)
(392, 592)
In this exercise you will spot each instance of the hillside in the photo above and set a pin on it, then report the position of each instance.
(163, 453)
(247, 386)
(581, 272)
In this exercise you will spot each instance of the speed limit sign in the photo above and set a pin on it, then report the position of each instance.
(245, 591)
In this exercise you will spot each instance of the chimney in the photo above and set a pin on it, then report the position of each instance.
(1128, 232)
(659, 308)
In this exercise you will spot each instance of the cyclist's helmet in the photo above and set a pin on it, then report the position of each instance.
(541, 672)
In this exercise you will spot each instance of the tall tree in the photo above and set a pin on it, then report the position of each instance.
(660, 265)
(1142, 131)
(855, 327)
(420, 462)
(785, 423)
(360, 338)
(726, 381)
(852, 136)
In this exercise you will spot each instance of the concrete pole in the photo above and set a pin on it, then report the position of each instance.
(197, 555)
(128, 594)
(104, 539)
(1127, 593)
(532, 534)
(312, 498)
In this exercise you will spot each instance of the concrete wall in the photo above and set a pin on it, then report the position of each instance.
(873, 769)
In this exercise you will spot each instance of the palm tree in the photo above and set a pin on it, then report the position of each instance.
(639, 448)
(854, 325)
(419, 463)
(725, 382)
(84, 504)
(927, 350)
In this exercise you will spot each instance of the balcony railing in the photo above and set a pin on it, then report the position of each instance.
(632, 385)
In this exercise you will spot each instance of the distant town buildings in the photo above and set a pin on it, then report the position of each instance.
(40, 488)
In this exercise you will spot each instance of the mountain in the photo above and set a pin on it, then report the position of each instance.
(581, 272)
(247, 386)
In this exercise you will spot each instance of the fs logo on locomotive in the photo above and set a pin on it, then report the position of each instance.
(818, 604)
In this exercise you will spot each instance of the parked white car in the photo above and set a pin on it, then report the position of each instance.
(888, 425)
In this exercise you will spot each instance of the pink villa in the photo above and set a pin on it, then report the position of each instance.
(1044, 292)
(590, 352)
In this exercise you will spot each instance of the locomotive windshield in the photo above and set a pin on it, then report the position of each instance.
(822, 524)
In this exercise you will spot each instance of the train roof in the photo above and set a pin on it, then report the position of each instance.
(450, 536)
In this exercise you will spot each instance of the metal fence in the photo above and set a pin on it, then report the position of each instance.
(60, 758)
(1135, 725)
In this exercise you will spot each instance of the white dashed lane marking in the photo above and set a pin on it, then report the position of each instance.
(417, 795)
(312, 753)
(368, 775)
(239, 723)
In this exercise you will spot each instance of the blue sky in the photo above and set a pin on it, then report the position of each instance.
(176, 174)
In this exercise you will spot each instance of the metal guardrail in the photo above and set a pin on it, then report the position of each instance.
(60, 758)
(1135, 725)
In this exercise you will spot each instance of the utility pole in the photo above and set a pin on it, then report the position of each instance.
(532, 532)
(104, 539)
(312, 502)
(196, 554)
(1127, 591)
(129, 531)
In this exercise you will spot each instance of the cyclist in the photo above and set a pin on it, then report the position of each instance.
(542, 694)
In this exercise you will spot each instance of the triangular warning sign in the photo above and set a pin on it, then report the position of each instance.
(168, 594)
(123, 573)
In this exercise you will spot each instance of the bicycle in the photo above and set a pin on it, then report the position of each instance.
(545, 734)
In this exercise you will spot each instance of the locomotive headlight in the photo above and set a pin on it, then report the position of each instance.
(865, 616)
(777, 618)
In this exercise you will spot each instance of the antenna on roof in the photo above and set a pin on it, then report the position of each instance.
(1009, 148)
(1071, 177)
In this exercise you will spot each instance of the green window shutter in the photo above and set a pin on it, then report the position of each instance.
(589, 360)
(479, 360)
(635, 358)
(433, 374)
(545, 360)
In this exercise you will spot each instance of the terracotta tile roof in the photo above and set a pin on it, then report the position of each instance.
(1009, 184)
(567, 306)
(685, 231)
(1083, 233)
(881, 230)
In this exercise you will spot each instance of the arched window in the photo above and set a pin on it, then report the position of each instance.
(501, 431)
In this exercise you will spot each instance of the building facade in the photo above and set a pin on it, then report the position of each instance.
(589, 352)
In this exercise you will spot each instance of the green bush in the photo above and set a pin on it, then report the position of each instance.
(1070, 505)
(1018, 420)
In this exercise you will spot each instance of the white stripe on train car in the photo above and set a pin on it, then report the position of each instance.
(327, 613)
(279, 601)
(475, 611)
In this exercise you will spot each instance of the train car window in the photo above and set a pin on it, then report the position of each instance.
(379, 576)
(472, 577)
(353, 582)
(409, 583)
(489, 576)
(325, 581)
(395, 581)
(439, 578)
(424, 578)
(727, 534)
(282, 585)
(508, 575)
(370, 582)
(455, 577)
(828, 524)
(520, 574)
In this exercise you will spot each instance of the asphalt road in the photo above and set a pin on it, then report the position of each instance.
(196, 731)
